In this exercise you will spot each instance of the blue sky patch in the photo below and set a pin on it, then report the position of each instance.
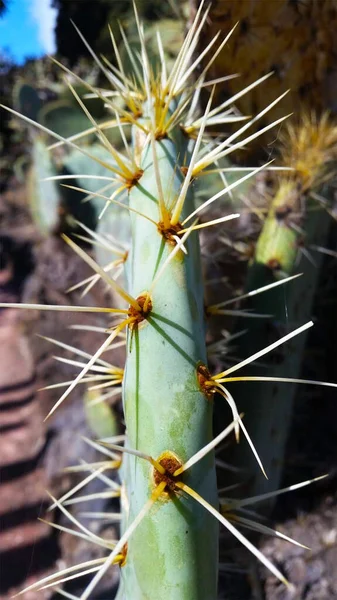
(27, 29)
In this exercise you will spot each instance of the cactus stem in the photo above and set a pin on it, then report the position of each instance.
(163, 100)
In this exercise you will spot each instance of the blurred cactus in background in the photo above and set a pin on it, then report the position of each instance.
(295, 41)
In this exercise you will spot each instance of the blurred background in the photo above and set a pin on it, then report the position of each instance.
(296, 41)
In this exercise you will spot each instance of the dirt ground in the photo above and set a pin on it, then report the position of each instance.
(312, 572)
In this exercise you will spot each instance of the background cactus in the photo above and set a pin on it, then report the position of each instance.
(64, 117)
(296, 205)
(295, 227)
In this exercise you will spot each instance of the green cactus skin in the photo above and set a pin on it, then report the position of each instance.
(27, 100)
(63, 118)
(47, 199)
(277, 246)
(294, 220)
(164, 407)
(44, 196)
(268, 406)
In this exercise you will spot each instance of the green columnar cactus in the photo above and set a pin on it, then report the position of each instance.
(43, 196)
(27, 100)
(268, 406)
(310, 149)
(50, 203)
(161, 387)
(169, 536)
(294, 225)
